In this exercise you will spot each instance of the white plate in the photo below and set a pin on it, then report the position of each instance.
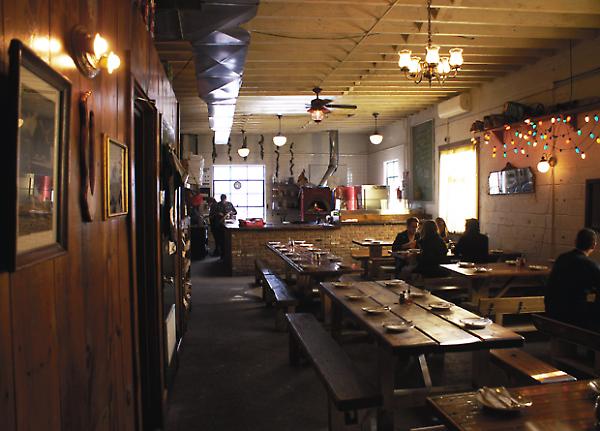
(375, 310)
(442, 306)
(421, 294)
(414, 250)
(368, 240)
(499, 399)
(481, 269)
(466, 265)
(299, 241)
(393, 283)
(510, 262)
(341, 284)
(274, 242)
(397, 326)
(475, 322)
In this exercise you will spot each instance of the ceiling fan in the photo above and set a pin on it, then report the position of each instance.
(319, 107)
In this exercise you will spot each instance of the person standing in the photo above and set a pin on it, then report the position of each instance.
(574, 276)
(223, 210)
(473, 245)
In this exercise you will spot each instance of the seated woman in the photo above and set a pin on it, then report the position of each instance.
(433, 251)
(473, 245)
(443, 229)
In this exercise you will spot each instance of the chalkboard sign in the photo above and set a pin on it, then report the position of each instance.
(422, 161)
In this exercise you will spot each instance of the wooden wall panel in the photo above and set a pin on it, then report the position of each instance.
(7, 401)
(66, 324)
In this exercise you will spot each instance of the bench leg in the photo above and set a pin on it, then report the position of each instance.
(481, 368)
(280, 320)
(294, 350)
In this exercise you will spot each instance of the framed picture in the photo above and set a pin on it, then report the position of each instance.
(35, 165)
(116, 174)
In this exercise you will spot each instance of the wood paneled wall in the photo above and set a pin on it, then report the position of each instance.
(67, 359)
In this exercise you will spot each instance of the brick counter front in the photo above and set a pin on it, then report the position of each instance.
(245, 245)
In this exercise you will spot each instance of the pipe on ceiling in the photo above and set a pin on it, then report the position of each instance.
(219, 49)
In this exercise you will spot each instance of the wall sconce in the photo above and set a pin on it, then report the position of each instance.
(91, 54)
(546, 163)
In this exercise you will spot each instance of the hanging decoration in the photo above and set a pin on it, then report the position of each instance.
(261, 144)
(229, 149)
(87, 156)
(277, 163)
(214, 149)
(292, 159)
(558, 132)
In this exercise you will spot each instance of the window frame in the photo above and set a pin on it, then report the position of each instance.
(231, 180)
(385, 171)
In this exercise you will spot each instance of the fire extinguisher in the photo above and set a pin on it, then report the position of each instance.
(398, 193)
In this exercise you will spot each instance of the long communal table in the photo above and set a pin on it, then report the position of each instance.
(501, 273)
(435, 331)
(556, 407)
(309, 271)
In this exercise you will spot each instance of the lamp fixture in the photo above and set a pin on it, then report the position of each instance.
(279, 139)
(92, 54)
(317, 114)
(376, 138)
(244, 151)
(434, 66)
(545, 163)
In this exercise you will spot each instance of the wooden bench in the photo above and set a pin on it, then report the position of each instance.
(380, 267)
(348, 391)
(525, 369)
(279, 295)
(518, 305)
(260, 271)
(564, 339)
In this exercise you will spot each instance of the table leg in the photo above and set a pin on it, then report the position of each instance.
(375, 251)
(325, 307)
(479, 288)
(480, 368)
(387, 378)
(336, 321)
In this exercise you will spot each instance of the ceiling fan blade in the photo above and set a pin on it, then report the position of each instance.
(341, 106)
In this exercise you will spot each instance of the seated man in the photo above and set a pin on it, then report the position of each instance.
(473, 245)
(405, 240)
(573, 277)
(408, 238)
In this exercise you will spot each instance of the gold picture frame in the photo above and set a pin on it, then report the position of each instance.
(116, 178)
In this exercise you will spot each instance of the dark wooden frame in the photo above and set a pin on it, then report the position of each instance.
(20, 55)
(510, 167)
(589, 223)
(107, 142)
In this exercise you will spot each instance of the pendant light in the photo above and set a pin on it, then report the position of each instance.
(244, 151)
(279, 139)
(376, 138)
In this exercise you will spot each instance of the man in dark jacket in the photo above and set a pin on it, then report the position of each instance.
(473, 245)
(574, 277)
(408, 238)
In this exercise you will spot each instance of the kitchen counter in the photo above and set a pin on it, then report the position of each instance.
(284, 226)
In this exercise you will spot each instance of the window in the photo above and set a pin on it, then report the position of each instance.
(458, 186)
(391, 172)
(244, 186)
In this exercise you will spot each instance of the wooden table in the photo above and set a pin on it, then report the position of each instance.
(479, 281)
(434, 331)
(308, 271)
(375, 247)
(556, 407)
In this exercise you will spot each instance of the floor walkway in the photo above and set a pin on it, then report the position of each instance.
(234, 373)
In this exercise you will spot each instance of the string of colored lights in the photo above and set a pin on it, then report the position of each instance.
(559, 132)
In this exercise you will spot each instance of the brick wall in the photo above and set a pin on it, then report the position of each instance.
(248, 245)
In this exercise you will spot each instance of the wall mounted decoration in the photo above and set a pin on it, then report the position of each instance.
(261, 144)
(292, 159)
(87, 156)
(422, 161)
(34, 218)
(214, 149)
(116, 178)
(277, 162)
(229, 149)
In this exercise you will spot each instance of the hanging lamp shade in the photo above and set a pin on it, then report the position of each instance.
(244, 151)
(279, 139)
(376, 138)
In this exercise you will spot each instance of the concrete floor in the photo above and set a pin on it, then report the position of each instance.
(234, 373)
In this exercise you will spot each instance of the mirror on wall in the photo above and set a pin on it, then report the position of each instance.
(511, 180)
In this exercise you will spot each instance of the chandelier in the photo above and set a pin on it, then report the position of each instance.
(434, 66)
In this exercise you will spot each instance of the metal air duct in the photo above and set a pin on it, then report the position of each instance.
(334, 157)
(219, 48)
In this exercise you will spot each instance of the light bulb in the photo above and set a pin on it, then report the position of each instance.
(112, 62)
(279, 140)
(243, 152)
(415, 65)
(456, 57)
(433, 55)
(443, 67)
(405, 59)
(100, 46)
(543, 166)
(376, 138)
(317, 115)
